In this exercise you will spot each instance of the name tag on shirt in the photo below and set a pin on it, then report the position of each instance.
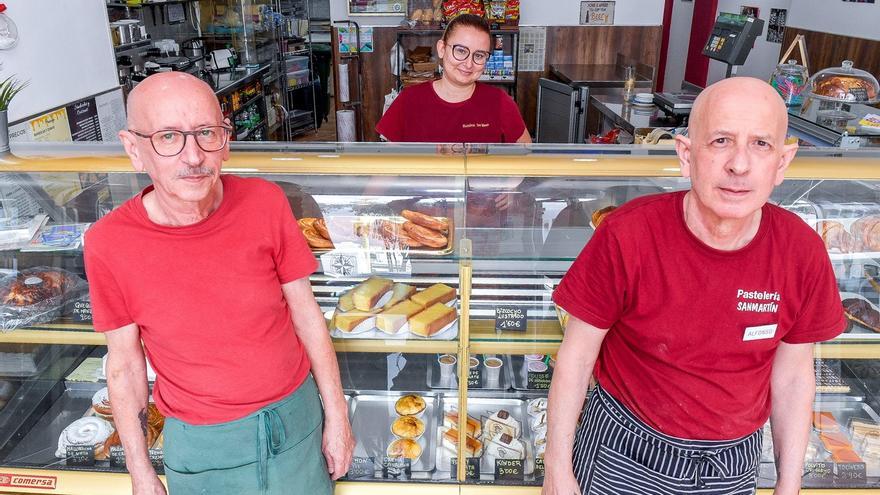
(760, 332)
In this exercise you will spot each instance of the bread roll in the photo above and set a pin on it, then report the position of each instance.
(437, 293)
(835, 236)
(426, 236)
(431, 320)
(366, 294)
(439, 224)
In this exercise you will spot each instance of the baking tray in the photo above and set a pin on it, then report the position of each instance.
(480, 408)
(371, 418)
(844, 412)
(436, 381)
(374, 244)
(520, 377)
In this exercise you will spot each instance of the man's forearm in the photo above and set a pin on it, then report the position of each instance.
(792, 392)
(312, 331)
(566, 399)
(129, 393)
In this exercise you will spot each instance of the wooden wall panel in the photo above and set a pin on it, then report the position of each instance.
(829, 50)
(567, 44)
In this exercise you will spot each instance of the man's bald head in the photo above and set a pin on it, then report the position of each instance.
(739, 94)
(160, 92)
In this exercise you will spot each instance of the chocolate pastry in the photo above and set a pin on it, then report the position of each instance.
(861, 312)
(31, 288)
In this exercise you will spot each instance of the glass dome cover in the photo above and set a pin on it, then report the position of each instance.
(844, 84)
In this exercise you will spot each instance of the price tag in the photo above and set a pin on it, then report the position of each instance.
(117, 457)
(82, 312)
(80, 455)
(361, 467)
(538, 380)
(539, 468)
(157, 458)
(509, 470)
(511, 318)
(396, 468)
(475, 377)
(471, 468)
(851, 473)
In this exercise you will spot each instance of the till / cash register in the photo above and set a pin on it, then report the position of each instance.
(732, 38)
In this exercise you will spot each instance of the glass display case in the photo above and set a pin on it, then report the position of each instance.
(458, 313)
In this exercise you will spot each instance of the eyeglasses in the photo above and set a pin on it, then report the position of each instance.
(461, 53)
(170, 142)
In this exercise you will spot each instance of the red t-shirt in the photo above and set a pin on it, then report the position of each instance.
(418, 115)
(684, 351)
(207, 299)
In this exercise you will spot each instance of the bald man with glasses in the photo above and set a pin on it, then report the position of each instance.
(208, 276)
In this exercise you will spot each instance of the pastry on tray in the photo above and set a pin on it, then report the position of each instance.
(861, 312)
(101, 404)
(408, 427)
(410, 405)
(835, 236)
(432, 320)
(473, 447)
(472, 426)
(392, 319)
(367, 293)
(500, 423)
(91, 431)
(406, 448)
(437, 293)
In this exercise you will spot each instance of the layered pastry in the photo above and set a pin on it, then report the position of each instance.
(410, 405)
(408, 427)
(392, 319)
(367, 294)
(539, 450)
(432, 320)
(864, 428)
(861, 312)
(33, 287)
(833, 438)
(472, 426)
(102, 453)
(437, 293)
(539, 422)
(866, 231)
(395, 236)
(92, 431)
(502, 423)
(101, 404)
(316, 233)
(835, 236)
(406, 448)
(473, 447)
(345, 303)
(541, 437)
(537, 406)
(505, 446)
(400, 292)
(155, 419)
(600, 215)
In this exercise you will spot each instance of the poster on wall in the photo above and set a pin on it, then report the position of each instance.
(750, 11)
(348, 40)
(776, 25)
(597, 13)
(532, 48)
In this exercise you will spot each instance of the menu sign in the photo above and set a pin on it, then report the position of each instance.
(80, 455)
(82, 117)
(510, 318)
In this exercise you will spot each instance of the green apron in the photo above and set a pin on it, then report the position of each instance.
(268, 452)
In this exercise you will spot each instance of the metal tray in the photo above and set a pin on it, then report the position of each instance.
(373, 244)
(436, 381)
(26, 360)
(371, 419)
(480, 408)
(519, 374)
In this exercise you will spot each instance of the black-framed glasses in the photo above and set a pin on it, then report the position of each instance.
(461, 53)
(170, 142)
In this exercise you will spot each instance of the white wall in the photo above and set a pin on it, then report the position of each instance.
(679, 41)
(763, 58)
(859, 20)
(64, 50)
(539, 13)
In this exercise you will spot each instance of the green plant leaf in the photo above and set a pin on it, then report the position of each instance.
(8, 89)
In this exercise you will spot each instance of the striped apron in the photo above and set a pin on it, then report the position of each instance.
(616, 453)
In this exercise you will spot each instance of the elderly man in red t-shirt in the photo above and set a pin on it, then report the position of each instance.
(212, 274)
(696, 311)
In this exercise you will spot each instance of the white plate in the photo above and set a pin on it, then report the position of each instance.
(644, 96)
(643, 103)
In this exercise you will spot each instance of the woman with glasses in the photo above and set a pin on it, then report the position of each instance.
(456, 108)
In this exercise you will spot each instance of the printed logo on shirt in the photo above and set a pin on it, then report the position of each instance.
(760, 332)
(476, 124)
(758, 301)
